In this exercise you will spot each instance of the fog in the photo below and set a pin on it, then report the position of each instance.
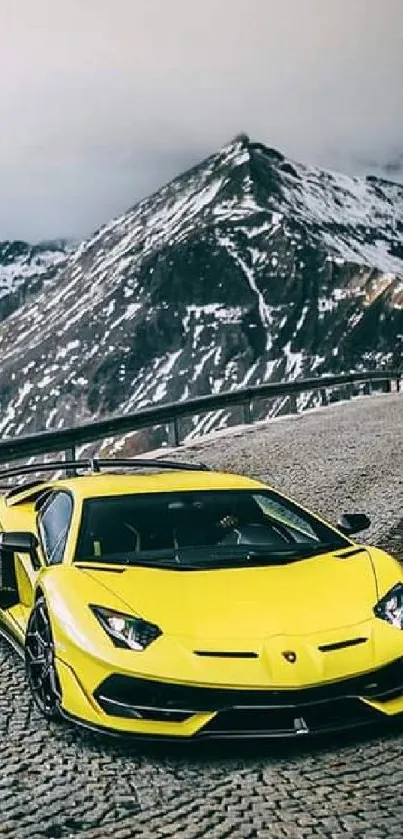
(102, 102)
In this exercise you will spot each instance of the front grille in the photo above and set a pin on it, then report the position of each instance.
(283, 722)
(383, 683)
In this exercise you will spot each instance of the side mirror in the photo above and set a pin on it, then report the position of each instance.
(350, 523)
(20, 542)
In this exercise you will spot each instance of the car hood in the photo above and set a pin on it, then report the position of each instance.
(311, 595)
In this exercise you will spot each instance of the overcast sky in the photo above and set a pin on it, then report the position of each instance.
(102, 101)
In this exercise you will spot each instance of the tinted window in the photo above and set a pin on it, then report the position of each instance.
(54, 524)
(209, 527)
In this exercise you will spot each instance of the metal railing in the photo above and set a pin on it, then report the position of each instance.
(68, 439)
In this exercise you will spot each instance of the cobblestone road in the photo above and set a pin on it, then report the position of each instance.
(57, 782)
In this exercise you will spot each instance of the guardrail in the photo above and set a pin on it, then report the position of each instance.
(68, 439)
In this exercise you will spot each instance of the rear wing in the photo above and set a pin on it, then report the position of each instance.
(73, 468)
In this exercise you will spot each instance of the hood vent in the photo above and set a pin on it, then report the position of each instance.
(224, 654)
(351, 552)
(339, 645)
(101, 568)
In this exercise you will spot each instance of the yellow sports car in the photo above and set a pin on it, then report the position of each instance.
(180, 602)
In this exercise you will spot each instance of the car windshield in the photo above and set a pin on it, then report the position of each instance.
(201, 529)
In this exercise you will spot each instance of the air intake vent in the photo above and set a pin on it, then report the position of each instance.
(107, 568)
(219, 654)
(339, 645)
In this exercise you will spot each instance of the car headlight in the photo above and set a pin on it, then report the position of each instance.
(126, 630)
(390, 607)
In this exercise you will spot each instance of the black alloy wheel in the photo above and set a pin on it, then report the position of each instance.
(40, 662)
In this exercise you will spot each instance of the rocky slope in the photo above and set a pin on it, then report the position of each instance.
(25, 270)
(249, 267)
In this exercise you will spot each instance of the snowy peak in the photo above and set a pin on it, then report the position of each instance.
(357, 220)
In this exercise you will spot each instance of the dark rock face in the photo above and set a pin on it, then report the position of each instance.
(247, 268)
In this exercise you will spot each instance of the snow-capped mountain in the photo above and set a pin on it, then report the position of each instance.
(25, 269)
(247, 268)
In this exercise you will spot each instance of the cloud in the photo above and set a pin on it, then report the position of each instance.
(102, 101)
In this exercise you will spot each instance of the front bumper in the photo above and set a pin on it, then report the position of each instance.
(128, 704)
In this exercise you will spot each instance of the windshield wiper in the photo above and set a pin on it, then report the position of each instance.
(167, 559)
(255, 556)
(204, 557)
(304, 551)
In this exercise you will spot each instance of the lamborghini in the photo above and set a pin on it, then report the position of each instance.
(162, 599)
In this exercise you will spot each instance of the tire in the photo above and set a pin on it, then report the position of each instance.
(40, 664)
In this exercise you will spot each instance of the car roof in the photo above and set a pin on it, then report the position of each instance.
(104, 484)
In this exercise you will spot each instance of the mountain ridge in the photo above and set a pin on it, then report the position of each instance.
(249, 267)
